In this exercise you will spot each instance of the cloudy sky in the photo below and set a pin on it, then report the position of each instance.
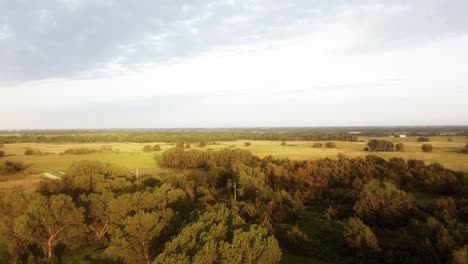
(231, 63)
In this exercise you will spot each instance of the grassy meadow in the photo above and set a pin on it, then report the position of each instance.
(131, 155)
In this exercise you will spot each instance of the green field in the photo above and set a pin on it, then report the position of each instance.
(131, 155)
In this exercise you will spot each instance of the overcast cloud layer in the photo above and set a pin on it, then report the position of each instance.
(200, 63)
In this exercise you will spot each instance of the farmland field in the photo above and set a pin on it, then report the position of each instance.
(131, 156)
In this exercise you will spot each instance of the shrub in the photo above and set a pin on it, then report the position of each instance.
(29, 152)
(180, 145)
(202, 144)
(2, 153)
(449, 139)
(247, 144)
(283, 143)
(465, 150)
(317, 145)
(187, 146)
(366, 149)
(423, 139)
(330, 145)
(426, 148)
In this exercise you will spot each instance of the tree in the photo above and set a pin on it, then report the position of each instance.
(423, 139)
(13, 205)
(330, 145)
(283, 143)
(247, 144)
(426, 148)
(2, 153)
(251, 246)
(132, 240)
(359, 236)
(156, 147)
(399, 147)
(51, 220)
(98, 213)
(147, 148)
(202, 144)
(218, 236)
(180, 145)
(187, 146)
(379, 200)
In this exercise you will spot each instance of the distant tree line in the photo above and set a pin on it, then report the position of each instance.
(176, 137)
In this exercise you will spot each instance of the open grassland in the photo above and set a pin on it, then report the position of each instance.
(130, 155)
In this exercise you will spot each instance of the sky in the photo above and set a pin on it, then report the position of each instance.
(68, 64)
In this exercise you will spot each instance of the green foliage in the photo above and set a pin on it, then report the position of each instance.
(330, 144)
(380, 145)
(426, 148)
(247, 144)
(317, 145)
(359, 236)
(209, 240)
(50, 220)
(381, 202)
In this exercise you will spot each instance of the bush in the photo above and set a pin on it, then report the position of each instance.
(29, 152)
(247, 144)
(202, 144)
(317, 145)
(426, 148)
(423, 139)
(9, 167)
(465, 150)
(366, 149)
(187, 146)
(399, 147)
(283, 143)
(2, 153)
(330, 145)
(180, 145)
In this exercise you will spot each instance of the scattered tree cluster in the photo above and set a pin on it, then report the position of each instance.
(380, 145)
